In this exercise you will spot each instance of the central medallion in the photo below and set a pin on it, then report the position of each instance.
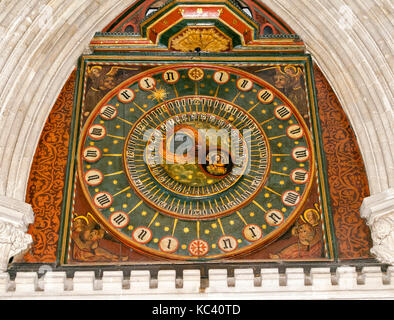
(196, 153)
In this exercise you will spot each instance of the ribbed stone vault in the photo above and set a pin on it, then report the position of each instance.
(352, 41)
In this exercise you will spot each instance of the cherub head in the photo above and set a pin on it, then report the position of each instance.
(304, 231)
(312, 217)
(280, 80)
(294, 73)
(80, 223)
(95, 71)
(108, 83)
(92, 233)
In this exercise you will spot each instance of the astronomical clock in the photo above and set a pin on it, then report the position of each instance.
(196, 138)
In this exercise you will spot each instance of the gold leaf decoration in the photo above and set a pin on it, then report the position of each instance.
(201, 39)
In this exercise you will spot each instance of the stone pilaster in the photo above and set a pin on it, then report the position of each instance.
(15, 217)
(378, 210)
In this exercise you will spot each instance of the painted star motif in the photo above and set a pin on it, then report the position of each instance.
(199, 247)
(158, 94)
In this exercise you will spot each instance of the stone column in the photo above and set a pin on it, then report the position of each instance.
(378, 210)
(15, 217)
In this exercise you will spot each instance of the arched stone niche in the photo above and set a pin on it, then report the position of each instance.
(349, 40)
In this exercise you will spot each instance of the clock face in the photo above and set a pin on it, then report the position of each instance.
(196, 161)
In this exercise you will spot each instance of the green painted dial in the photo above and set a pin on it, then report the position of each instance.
(196, 161)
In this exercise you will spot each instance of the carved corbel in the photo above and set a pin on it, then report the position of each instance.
(15, 217)
(378, 210)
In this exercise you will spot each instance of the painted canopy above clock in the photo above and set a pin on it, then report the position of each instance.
(198, 26)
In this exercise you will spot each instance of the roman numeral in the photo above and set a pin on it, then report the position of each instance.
(252, 229)
(265, 96)
(283, 112)
(125, 95)
(291, 198)
(221, 77)
(142, 234)
(170, 76)
(96, 132)
(168, 244)
(244, 84)
(300, 175)
(295, 131)
(148, 85)
(108, 112)
(227, 244)
(301, 154)
(93, 177)
(103, 200)
(91, 154)
(275, 218)
(119, 219)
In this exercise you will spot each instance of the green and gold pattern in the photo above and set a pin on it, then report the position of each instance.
(179, 208)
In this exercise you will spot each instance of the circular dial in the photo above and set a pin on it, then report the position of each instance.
(195, 155)
(196, 162)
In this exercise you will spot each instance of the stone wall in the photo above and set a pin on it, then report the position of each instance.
(352, 42)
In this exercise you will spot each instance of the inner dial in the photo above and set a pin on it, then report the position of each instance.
(194, 153)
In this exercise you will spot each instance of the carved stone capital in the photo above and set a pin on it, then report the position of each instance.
(15, 217)
(12, 241)
(378, 210)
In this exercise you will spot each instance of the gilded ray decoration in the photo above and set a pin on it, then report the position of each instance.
(201, 39)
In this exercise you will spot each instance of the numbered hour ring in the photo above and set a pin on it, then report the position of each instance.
(196, 162)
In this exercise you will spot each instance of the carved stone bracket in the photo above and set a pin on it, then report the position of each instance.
(15, 216)
(378, 210)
